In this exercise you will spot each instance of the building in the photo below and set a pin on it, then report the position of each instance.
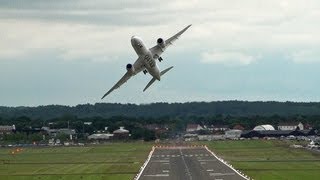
(7, 129)
(277, 133)
(265, 127)
(121, 133)
(290, 126)
(239, 127)
(233, 134)
(190, 137)
(193, 127)
(220, 127)
(211, 137)
(102, 136)
(54, 132)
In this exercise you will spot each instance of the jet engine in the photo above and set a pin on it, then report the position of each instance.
(161, 42)
(130, 68)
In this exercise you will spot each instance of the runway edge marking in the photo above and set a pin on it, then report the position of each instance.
(145, 164)
(225, 163)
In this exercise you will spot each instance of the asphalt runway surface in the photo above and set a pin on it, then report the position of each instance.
(183, 163)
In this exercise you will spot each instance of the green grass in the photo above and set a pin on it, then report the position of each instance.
(260, 159)
(269, 159)
(110, 161)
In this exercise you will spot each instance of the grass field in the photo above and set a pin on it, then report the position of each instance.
(260, 159)
(112, 161)
(269, 159)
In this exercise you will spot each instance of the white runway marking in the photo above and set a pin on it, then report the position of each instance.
(206, 160)
(162, 161)
(157, 175)
(222, 174)
(185, 165)
(209, 170)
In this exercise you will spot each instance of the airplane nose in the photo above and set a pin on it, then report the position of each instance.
(132, 39)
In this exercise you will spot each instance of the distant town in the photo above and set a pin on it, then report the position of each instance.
(68, 136)
(56, 125)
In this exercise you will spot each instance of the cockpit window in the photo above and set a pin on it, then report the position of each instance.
(140, 45)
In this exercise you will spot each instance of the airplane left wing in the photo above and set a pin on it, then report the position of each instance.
(124, 79)
(157, 50)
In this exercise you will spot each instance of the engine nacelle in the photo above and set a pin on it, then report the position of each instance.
(161, 42)
(130, 68)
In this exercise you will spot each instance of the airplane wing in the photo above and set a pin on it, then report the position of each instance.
(159, 50)
(124, 79)
(138, 67)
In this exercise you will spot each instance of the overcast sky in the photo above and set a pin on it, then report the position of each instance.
(71, 52)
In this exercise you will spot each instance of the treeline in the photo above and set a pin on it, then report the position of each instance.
(173, 124)
(172, 110)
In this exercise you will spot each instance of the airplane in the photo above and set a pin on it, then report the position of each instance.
(146, 61)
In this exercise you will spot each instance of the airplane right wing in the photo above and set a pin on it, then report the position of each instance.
(157, 50)
(124, 79)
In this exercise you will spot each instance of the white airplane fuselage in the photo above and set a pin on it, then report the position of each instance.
(146, 57)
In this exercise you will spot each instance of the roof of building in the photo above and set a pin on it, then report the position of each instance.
(100, 136)
(192, 126)
(121, 130)
(7, 128)
(234, 130)
(238, 126)
(271, 133)
(264, 127)
(220, 126)
(289, 124)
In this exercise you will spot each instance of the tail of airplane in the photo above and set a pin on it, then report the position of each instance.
(154, 79)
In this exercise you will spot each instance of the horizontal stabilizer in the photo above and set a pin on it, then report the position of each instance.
(154, 79)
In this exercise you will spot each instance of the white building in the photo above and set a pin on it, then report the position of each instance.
(265, 127)
(102, 136)
(233, 134)
(290, 126)
(7, 129)
(193, 127)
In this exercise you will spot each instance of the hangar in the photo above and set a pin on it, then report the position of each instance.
(265, 127)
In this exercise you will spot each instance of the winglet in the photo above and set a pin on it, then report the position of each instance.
(154, 79)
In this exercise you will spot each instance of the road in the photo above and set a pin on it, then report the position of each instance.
(186, 163)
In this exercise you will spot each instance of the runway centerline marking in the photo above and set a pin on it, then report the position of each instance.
(185, 165)
(161, 161)
(206, 160)
(157, 175)
(222, 174)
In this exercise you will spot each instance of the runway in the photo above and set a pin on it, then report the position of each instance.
(186, 163)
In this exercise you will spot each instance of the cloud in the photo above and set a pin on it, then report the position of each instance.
(306, 56)
(101, 30)
(227, 58)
